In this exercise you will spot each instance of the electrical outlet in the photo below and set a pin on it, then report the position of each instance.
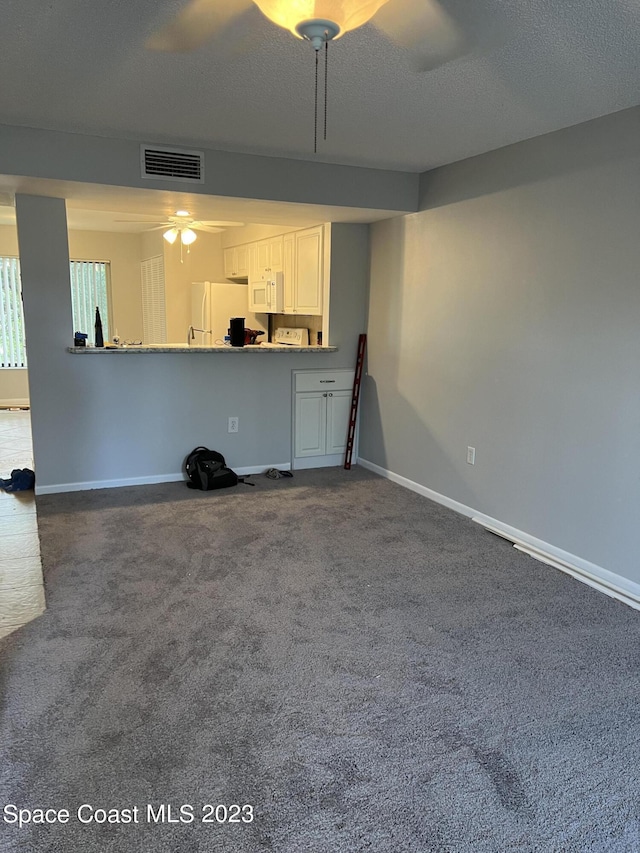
(233, 425)
(471, 455)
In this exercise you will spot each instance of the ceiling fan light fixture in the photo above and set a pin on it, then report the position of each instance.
(171, 235)
(188, 236)
(317, 31)
(341, 16)
(182, 213)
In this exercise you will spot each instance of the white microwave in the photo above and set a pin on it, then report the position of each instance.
(267, 295)
(275, 293)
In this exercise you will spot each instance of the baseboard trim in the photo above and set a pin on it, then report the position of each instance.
(15, 403)
(416, 487)
(149, 480)
(595, 576)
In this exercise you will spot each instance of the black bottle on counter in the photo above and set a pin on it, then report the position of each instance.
(99, 340)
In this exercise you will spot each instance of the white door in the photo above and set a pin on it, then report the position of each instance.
(308, 274)
(242, 261)
(338, 410)
(310, 425)
(263, 258)
(230, 262)
(288, 247)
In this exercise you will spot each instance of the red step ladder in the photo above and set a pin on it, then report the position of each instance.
(355, 396)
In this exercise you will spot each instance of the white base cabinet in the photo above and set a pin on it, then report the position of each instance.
(322, 406)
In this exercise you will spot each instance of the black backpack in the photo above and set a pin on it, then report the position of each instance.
(206, 469)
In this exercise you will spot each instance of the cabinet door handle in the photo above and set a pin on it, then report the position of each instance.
(331, 395)
(324, 395)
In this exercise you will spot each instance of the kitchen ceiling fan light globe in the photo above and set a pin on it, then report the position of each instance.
(171, 235)
(182, 213)
(346, 15)
(188, 236)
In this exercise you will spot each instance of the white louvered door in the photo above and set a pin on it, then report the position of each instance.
(154, 315)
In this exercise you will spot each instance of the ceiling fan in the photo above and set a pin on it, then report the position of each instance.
(422, 27)
(182, 222)
(184, 226)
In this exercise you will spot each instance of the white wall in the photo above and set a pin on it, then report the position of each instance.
(505, 316)
(122, 251)
(14, 386)
(204, 262)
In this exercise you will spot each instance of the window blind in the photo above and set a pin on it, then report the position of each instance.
(12, 346)
(89, 289)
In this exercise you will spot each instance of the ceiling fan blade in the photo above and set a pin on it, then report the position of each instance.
(198, 226)
(219, 223)
(424, 29)
(198, 22)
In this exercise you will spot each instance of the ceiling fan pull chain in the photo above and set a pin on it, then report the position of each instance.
(315, 113)
(326, 68)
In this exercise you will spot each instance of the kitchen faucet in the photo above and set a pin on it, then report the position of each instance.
(191, 333)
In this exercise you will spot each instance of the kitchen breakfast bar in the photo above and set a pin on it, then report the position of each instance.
(195, 350)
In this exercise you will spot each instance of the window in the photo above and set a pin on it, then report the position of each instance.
(89, 288)
(12, 347)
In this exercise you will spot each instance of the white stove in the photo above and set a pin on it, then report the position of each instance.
(289, 337)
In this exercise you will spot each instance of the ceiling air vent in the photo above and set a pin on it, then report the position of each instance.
(172, 164)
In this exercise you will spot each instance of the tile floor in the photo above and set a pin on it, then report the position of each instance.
(21, 586)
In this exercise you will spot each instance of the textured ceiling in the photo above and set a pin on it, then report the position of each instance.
(532, 66)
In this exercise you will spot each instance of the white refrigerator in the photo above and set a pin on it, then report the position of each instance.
(213, 304)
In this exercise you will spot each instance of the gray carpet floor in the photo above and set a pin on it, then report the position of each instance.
(367, 669)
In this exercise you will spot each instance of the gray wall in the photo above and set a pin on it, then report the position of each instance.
(98, 160)
(121, 417)
(505, 315)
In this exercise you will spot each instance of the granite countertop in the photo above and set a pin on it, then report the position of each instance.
(169, 348)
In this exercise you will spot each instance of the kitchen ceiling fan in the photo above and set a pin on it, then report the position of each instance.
(421, 27)
(184, 226)
(183, 221)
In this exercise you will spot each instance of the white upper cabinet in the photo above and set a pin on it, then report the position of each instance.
(236, 261)
(308, 272)
(288, 256)
(298, 254)
(268, 257)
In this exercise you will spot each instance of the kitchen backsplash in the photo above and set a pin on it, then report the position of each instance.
(300, 321)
